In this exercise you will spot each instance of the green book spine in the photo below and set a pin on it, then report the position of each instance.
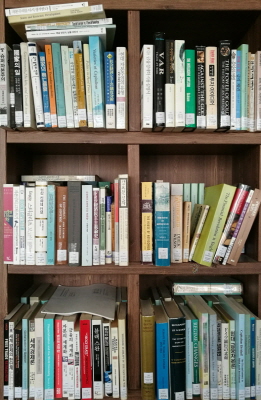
(190, 89)
(201, 193)
(193, 195)
(186, 191)
(195, 338)
(59, 86)
(244, 85)
(219, 198)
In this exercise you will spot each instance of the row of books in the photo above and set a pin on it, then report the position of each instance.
(64, 85)
(74, 220)
(209, 87)
(178, 226)
(207, 346)
(76, 356)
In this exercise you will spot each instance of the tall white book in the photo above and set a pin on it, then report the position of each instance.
(146, 80)
(4, 89)
(65, 380)
(87, 209)
(251, 92)
(258, 91)
(179, 100)
(67, 86)
(77, 368)
(115, 359)
(41, 222)
(37, 9)
(121, 88)
(30, 225)
(233, 93)
(16, 224)
(22, 224)
(211, 87)
(28, 102)
(123, 221)
(88, 84)
(73, 88)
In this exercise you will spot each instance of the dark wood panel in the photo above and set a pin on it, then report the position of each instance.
(134, 69)
(134, 201)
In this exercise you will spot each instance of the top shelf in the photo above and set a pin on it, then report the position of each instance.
(155, 4)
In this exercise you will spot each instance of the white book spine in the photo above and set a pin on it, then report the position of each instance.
(179, 83)
(31, 358)
(71, 368)
(22, 224)
(98, 385)
(41, 223)
(258, 91)
(211, 87)
(77, 370)
(121, 88)
(4, 88)
(73, 87)
(68, 24)
(56, 7)
(108, 226)
(11, 348)
(30, 224)
(102, 226)
(251, 93)
(170, 105)
(67, 87)
(16, 227)
(123, 221)
(88, 85)
(115, 362)
(36, 84)
(225, 360)
(28, 103)
(39, 362)
(258, 359)
(147, 86)
(26, 10)
(107, 358)
(65, 356)
(122, 359)
(87, 202)
(219, 360)
(233, 103)
(96, 235)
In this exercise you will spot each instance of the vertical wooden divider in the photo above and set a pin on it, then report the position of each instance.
(134, 201)
(134, 69)
(133, 339)
(258, 238)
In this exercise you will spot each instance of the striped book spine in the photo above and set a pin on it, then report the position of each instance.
(97, 81)
(51, 88)
(80, 88)
(45, 94)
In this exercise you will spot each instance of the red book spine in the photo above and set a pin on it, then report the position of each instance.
(58, 384)
(8, 224)
(86, 359)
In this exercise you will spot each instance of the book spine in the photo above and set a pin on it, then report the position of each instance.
(162, 224)
(159, 80)
(80, 87)
(67, 87)
(233, 84)
(36, 84)
(77, 370)
(244, 85)
(8, 223)
(258, 359)
(39, 359)
(176, 212)
(102, 228)
(190, 89)
(224, 89)
(58, 358)
(108, 224)
(51, 201)
(70, 360)
(31, 358)
(147, 55)
(186, 230)
(116, 224)
(65, 378)
(5, 85)
(238, 95)
(68, 24)
(30, 225)
(123, 358)
(11, 356)
(11, 89)
(86, 359)
(25, 359)
(195, 341)
(58, 83)
(115, 362)
(162, 361)
(170, 83)
(201, 192)
(49, 359)
(18, 363)
(16, 225)
(179, 101)
(253, 357)
(121, 88)
(211, 87)
(19, 116)
(98, 388)
(96, 228)
(232, 359)
(193, 195)
(88, 84)
(225, 360)
(197, 232)
(107, 358)
(146, 222)
(213, 356)
(74, 222)
(26, 10)
(61, 224)
(200, 87)
(113, 229)
(258, 91)
(51, 88)
(97, 81)
(6, 357)
(123, 221)
(41, 223)
(251, 92)
(28, 104)
(110, 89)
(147, 332)
(73, 88)
(87, 221)
(45, 93)
(247, 358)
(189, 362)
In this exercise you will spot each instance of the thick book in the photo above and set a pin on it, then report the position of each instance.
(123, 220)
(8, 222)
(161, 353)
(211, 87)
(219, 198)
(36, 84)
(146, 79)
(108, 227)
(162, 224)
(45, 90)
(51, 217)
(30, 225)
(201, 86)
(80, 85)
(88, 84)
(176, 227)
(190, 90)
(19, 115)
(147, 342)
(74, 223)
(159, 81)
(146, 222)
(110, 89)
(96, 49)
(121, 88)
(59, 86)
(61, 224)
(4, 90)
(41, 223)
(224, 72)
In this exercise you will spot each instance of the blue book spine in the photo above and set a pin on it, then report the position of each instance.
(45, 93)
(238, 90)
(189, 360)
(213, 356)
(162, 363)
(59, 86)
(110, 89)
(49, 358)
(253, 357)
(97, 81)
(51, 224)
(162, 224)
(25, 359)
(247, 356)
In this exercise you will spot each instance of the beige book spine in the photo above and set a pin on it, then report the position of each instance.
(186, 229)
(176, 211)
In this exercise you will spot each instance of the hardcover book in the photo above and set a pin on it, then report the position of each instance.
(88, 85)
(123, 220)
(8, 223)
(146, 76)
(41, 223)
(50, 80)
(61, 224)
(159, 81)
(201, 86)
(97, 81)
(176, 228)
(28, 104)
(162, 223)
(146, 222)
(73, 88)
(122, 326)
(224, 89)
(97, 358)
(67, 86)
(233, 93)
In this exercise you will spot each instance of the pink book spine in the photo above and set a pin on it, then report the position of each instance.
(58, 359)
(116, 220)
(8, 223)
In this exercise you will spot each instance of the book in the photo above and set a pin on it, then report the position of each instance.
(204, 208)
(51, 218)
(147, 341)
(107, 359)
(206, 285)
(169, 84)
(68, 24)
(11, 89)
(162, 223)
(41, 223)
(30, 225)
(49, 370)
(146, 222)
(65, 374)
(146, 76)
(108, 227)
(97, 357)
(71, 321)
(58, 388)
(88, 85)
(77, 366)
(123, 220)
(219, 198)
(37, 9)
(159, 81)
(251, 92)
(190, 90)
(176, 230)
(86, 356)
(193, 195)
(74, 222)
(115, 358)
(116, 219)
(73, 88)
(35, 297)
(28, 104)
(8, 222)
(97, 81)
(79, 78)
(45, 94)
(244, 48)
(59, 178)
(233, 92)
(186, 230)
(61, 224)
(200, 87)
(161, 353)
(179, 92)
(224, 89)
(122, 326)
(102, 221)
(257, 91)
(4, 91)
(121, 88)
(110, 89)
(238, 90)
(19, 115)
(22, 224)
(51, 88)
(39, 355)
(67, 86)
(16, 224)
(87, 209)
(211, 87)
(96, 227)
(59, 86)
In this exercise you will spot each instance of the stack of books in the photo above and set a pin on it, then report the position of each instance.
(208, 87)
(185, 222)
(67, 75)
(75, 349)
(66, 220)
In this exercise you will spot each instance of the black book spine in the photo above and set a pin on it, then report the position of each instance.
(12, 90)
(107, 360)
(19, 118)
(97, 353)
(169, 56)
(177, 356)
(18, 364)
(201, 86)
(74, 222)
(159, 80)
(224, 83)
(6, 354)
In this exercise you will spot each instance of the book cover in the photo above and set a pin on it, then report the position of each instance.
(97, 81)
(244, 48)
(110, 89)
(68, 24)
(219, 198)
(224, 89)
(102, 221)
(162, 224)
(146, 222)
(146, 77)
(121, 88)
(87, 209)
(186, 192)
(71, 321)
(61, 224)
(65, 375)
(18, 90)
(122, 326)
(206, 285)
(45, 91)
(97, 358)
(161, 353)
(77, 366)
(170, 84)
(116, 219)
(28, 104)
(80, 85)
(195, 217)
(67, 86)
(51, 218)
(59, 86)
(211, 87)
(73, 88)
(22, 224)
(176, 227)
(88, 85)
(41, 223)
(50, 80)
(74, 222)
(159, 81)
(4, 90)
(59, 178)
(200, 87)
(190, 90)
(179, 100)
(123, 220)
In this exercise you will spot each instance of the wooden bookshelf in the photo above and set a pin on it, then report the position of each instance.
(197, 156)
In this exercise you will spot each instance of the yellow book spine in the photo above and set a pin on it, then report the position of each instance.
(146, 222)
(186, 229)
(80, 89)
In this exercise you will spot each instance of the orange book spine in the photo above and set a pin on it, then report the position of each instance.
(51, 88)
(80, 88)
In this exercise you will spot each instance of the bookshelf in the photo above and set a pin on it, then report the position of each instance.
(176, 157)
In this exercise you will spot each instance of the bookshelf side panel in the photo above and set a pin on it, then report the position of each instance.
(134, 69)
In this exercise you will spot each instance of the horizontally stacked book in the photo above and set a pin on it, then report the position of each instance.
(209, 87)
(193, 345)
(66, 76)
(77, 355)
(66, 220)
(185, 222)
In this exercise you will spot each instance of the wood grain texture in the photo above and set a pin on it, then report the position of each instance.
(134, 205)
(134, 69)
